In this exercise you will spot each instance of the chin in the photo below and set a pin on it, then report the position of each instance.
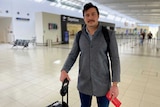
(92, 25)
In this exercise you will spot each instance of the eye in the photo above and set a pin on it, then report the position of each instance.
(90, 14)
(86, 15)
(94, 14)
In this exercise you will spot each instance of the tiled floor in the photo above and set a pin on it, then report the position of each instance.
(30, 77)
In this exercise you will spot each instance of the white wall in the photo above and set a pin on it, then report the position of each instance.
(39, 28)
(53, 33)
(21, 29)
(42, 31)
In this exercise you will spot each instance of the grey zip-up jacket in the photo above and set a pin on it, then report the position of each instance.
(94, 72)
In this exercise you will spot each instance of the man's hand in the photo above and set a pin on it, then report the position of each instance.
(114, 91)
(64, 75)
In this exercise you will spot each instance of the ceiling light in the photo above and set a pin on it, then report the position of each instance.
(155, 10)
(136, 5)
(117, 18)
(152, 5)
(111, 17)
(154, 14)
(58, 5)
(80, 11)
(101, 16)
(105, 13)
(53, 4)
(68, 7)
(64, 0)
(72, 4)
(72, 9)
(38, 1)
(123, 19)
(63, 6)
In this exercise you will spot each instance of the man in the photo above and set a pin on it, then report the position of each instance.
(94, 72)
(149, 36)
(143, 34)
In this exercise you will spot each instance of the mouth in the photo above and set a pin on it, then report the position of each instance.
(90, 21)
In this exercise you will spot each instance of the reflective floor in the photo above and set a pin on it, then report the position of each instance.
(30, 77)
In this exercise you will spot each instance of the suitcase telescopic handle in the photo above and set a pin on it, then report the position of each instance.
(64, 88)
(66, 81)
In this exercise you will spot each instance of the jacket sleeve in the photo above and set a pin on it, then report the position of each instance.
(72, 55)
(114, 57)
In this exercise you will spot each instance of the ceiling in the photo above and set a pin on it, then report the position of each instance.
(145, 11)
(141, 11)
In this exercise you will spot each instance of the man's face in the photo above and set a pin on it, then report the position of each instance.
(91, 17)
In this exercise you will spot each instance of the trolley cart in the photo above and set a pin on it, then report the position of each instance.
(63, 92)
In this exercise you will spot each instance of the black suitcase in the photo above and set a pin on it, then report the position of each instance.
(63, 92)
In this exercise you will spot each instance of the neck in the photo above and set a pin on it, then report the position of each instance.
(92, 29)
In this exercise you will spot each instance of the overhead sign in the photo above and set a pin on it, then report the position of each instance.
(71, 19)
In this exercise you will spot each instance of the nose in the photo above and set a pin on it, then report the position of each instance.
(90, 16)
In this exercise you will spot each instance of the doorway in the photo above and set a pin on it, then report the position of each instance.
(6, 30)
(73, 29)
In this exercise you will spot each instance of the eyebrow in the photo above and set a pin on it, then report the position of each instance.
(90, 12)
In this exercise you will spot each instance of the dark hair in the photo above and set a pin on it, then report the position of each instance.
(88, 6)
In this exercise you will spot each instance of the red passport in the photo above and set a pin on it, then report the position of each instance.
(115, 101)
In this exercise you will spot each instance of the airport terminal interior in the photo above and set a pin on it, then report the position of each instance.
(30, 74)
(29, 77)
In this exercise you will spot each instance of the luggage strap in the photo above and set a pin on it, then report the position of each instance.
(64, 89)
